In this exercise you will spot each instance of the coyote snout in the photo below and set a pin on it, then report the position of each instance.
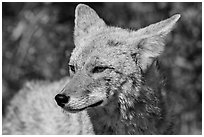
(82, 92)
(63, 101)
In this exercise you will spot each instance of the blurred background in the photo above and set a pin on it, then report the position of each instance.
(38, 39)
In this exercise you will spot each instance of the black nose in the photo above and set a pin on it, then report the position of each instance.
(61, 99)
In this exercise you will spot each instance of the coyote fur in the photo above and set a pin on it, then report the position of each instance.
(114, 85)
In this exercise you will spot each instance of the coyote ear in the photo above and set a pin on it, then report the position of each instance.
(153, 41)
(86, 22)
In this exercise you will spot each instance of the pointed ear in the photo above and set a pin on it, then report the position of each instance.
(153, 40)
(86, 22)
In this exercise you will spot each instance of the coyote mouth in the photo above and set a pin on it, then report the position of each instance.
(71, 110)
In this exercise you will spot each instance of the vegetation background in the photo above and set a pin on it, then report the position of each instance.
(38, 39)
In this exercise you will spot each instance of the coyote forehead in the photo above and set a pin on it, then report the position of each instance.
(109, 46)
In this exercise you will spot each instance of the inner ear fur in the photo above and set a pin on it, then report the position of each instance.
(152, 43)
(149, 50)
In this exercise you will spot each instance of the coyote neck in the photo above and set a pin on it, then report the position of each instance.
(142, 115)
(138, 118)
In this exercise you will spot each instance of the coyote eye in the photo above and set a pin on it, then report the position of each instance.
(99, 69)
(72, 68)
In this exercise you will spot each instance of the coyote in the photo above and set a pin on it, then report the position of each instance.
(114, 85)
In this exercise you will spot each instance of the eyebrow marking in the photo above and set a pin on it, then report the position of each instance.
(113, 43)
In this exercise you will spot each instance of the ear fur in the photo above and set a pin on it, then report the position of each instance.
(86, 22)
(153, 41)
(160, 28)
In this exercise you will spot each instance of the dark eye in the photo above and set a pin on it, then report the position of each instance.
(99, 69)
(72, 68)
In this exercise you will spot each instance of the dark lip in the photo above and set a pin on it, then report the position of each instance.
(77, 110)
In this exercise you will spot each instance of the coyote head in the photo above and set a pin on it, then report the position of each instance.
(107, 63)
